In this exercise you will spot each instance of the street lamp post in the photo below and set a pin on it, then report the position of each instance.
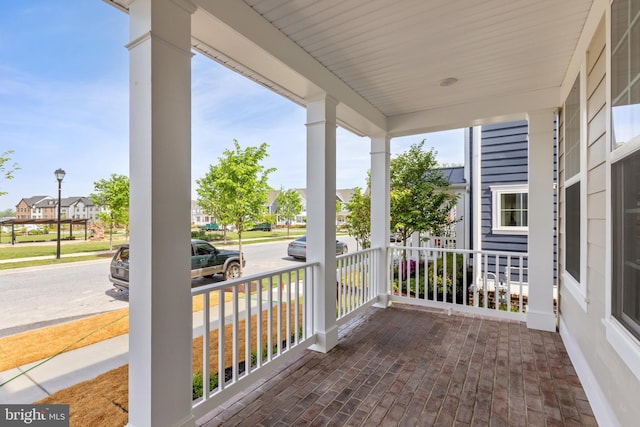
(59, 176)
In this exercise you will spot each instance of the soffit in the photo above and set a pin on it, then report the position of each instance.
(395, 53)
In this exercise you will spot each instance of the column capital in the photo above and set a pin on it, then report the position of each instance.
(188, 5)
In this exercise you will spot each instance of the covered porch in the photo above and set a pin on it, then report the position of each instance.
(381, 70)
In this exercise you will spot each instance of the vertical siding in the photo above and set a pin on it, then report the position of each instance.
(504, 161)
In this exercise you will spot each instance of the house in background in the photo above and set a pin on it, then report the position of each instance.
(28, 208)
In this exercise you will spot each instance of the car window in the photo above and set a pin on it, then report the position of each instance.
(204, 248)
(123, 255)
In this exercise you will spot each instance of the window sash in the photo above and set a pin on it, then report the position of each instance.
(626, 242)
(572, 230)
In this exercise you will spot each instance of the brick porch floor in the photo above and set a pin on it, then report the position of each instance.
(406, 366)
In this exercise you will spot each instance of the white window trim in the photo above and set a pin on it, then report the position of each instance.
(577, 289)
(619, 338)
(496, 192)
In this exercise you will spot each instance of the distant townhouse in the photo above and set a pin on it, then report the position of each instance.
(46, 207)
(27, 207)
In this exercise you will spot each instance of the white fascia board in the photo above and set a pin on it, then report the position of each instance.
(479, 112)
(597, 12)
(240, 33)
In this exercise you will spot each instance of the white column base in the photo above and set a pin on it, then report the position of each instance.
(541, 321)
(326, 340)
(383, 301)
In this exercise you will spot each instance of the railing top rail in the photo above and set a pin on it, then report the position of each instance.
(461, 251)
(363, 251)
(258, 276)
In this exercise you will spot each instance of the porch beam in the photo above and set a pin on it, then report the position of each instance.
(321, 216)
(380, 190)
(160, 328)
(540, 313)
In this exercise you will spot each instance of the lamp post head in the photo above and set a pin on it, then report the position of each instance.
(59, 175)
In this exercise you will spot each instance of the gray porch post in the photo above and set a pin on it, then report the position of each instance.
(540, 313)
(380, 158)
(321, 216)
(160, 329)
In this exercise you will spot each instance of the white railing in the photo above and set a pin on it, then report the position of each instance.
(489, 282)
(247, 324)
(356, 282)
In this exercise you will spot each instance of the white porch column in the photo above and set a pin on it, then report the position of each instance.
(321, 216)
(541, 133)
(160, 327)
(380, 189)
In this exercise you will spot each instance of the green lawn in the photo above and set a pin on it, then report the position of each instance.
(27, 250)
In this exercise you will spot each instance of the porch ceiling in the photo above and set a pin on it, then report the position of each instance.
(384, 60)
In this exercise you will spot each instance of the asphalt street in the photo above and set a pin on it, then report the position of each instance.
(39, 296)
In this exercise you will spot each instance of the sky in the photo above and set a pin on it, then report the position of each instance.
(64, 104)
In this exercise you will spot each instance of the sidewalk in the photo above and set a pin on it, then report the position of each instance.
(33, 258)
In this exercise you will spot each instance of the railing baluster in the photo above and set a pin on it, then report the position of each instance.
(296, 306)
(247, 329)
(206, 338)
(279, 316)
(496, 284)
(521, 269)
(289, 309)
(485, 292)
(234, 342)
(270, 319)
(444, 276)
(221, 334)
(259, 324)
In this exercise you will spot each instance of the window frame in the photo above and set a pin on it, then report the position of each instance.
(496, 207)
(624, 343)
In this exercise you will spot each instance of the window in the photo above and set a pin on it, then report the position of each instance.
(510, 214)
(572, 231)
(625, 72)
(572, 170)
(626, 242)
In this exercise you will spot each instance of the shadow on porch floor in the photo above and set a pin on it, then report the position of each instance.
(414, 367)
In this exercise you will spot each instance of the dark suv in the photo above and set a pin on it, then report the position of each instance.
(206, 260)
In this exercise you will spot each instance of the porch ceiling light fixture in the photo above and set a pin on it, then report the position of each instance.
(449, 81)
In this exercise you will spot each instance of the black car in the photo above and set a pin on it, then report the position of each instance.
(206, 260)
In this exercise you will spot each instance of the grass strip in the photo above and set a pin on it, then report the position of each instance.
(41, 262)
(32, 346)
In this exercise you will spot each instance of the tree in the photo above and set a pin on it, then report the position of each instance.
(359, 218)
(236, 189)
(289, 205)
(112, 194)
(6, 171)
(419, 200)
(7, 213)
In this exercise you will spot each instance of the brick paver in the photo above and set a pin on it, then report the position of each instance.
(408, 366)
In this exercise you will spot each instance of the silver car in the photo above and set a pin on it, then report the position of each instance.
(298, 248)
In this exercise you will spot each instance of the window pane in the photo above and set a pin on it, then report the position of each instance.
(626, 242)
(573, 230)
(620, 70)
(619, 20)
(572, 130)
(508, 201)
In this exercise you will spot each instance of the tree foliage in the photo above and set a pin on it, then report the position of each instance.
(419, 200)
(359, 218)
(289, 205)
(112, 194)
(6, 170)
(235, 190)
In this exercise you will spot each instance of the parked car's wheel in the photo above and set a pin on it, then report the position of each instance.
(345, 249)
(232, 271)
